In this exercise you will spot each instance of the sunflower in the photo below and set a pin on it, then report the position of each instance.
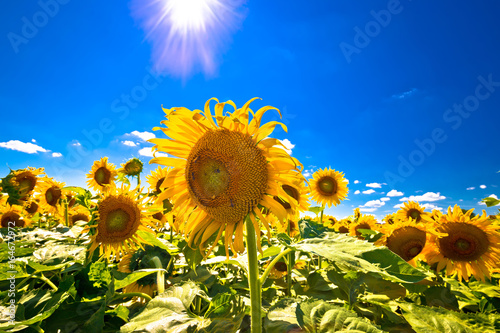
(406, 239)
(156, 179)
(283, 226)
(470, 246)
(132, 167)
(21, 184)
(141, 259)
(357, 214)
(363, 222)
(120, 215)
(78, 213)
(390, 218)
(328, 187)
(102, 175)
(11, 216)
(227, 171)
(31, 207)
(51, 193)
(329, 221)
(298, 192)
(414, 211)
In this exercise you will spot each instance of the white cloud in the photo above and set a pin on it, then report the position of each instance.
(145, 136)
(429, 196)
(357, 192)
(147, 151)
(288, 146)
(482, 186)
(491, 196)
(431, 206)
(394, 193)
(375, 185)
(470, 188)
(307, 174)
(370, 191)
(369, 210)
(56, 155)
(399, 205)
(374, 204)
(405, 94)
(385, 199)
(76, 143)
(25, 147)
(357, 181)
(33, 140)
(129, 143)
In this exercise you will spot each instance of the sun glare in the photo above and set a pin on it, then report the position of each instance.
(188, 36)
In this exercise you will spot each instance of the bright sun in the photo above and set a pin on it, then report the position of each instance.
(190, 15)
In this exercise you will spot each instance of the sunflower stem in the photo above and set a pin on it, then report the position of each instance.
(66, 217)
(124, 295)
(289, 269)
(160, 277)
(47, 281)
(254, 283)
(272, 263)
(321, 222)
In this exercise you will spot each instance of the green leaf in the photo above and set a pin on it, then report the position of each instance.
(490, 201)
(160, 242)
(134, 276)
(352, 254)
(310, 229)
(316, 210)
(20, 250)
(167, 312)
(485, 288)
(44, 268)
(99, 274)
(96, 322)
(438, 320)
(282, 317)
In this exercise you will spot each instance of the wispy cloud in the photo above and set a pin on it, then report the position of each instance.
(129, 143)
(144, 136)
(431, 206)
(357, 192)
(375, 185)
(25, 147)
(405, 94)
(429, 196)
(57, 155)
(374, 204)
(357, 181)
(385, 199)
(470, 188)
(370, 191)
(482, 186)
(394, 193)
(368, 210)
(148, 151)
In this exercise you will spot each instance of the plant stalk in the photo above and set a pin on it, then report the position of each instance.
(160, 275)
(254, 283)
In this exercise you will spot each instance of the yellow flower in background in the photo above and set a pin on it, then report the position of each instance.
(142, 259)
(31, 206)
(328, 187)
(26, 180)
(363, 222)
(357, 213)
(51, 194)
(390, 218)
(406, 239)
(78, 213)
(226, 169)
(342, 226)
(120, 215)
(298, 192)
(413, 210)
(470, 247)
(132, 167)
(282, 227)
(329, 221)
(155, 180)
(102, 175)
(12, 216)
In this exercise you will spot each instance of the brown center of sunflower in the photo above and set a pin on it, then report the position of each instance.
(343, 229)
(13, 218)
(280, 266)
(32, 208)
(158, 216)
(26, 183)
(407, 242)
(465, 242)
(327, 186)
(119, 219)
(158, 184)
(79, 217)
(414, 214)
(226, 174)
(52, 195)
(362, 225)
(291, 191)
(102, 176)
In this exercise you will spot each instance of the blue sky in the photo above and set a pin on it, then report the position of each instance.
(402, 96)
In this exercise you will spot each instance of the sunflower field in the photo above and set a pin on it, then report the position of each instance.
(216, 240)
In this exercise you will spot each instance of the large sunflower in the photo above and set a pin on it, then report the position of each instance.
(120, 215)
(471, 246)
(406, 239)
(12, 216)
(412, 210)
(227, 169)
(51, 194)
(328, 187)
(102, 175)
